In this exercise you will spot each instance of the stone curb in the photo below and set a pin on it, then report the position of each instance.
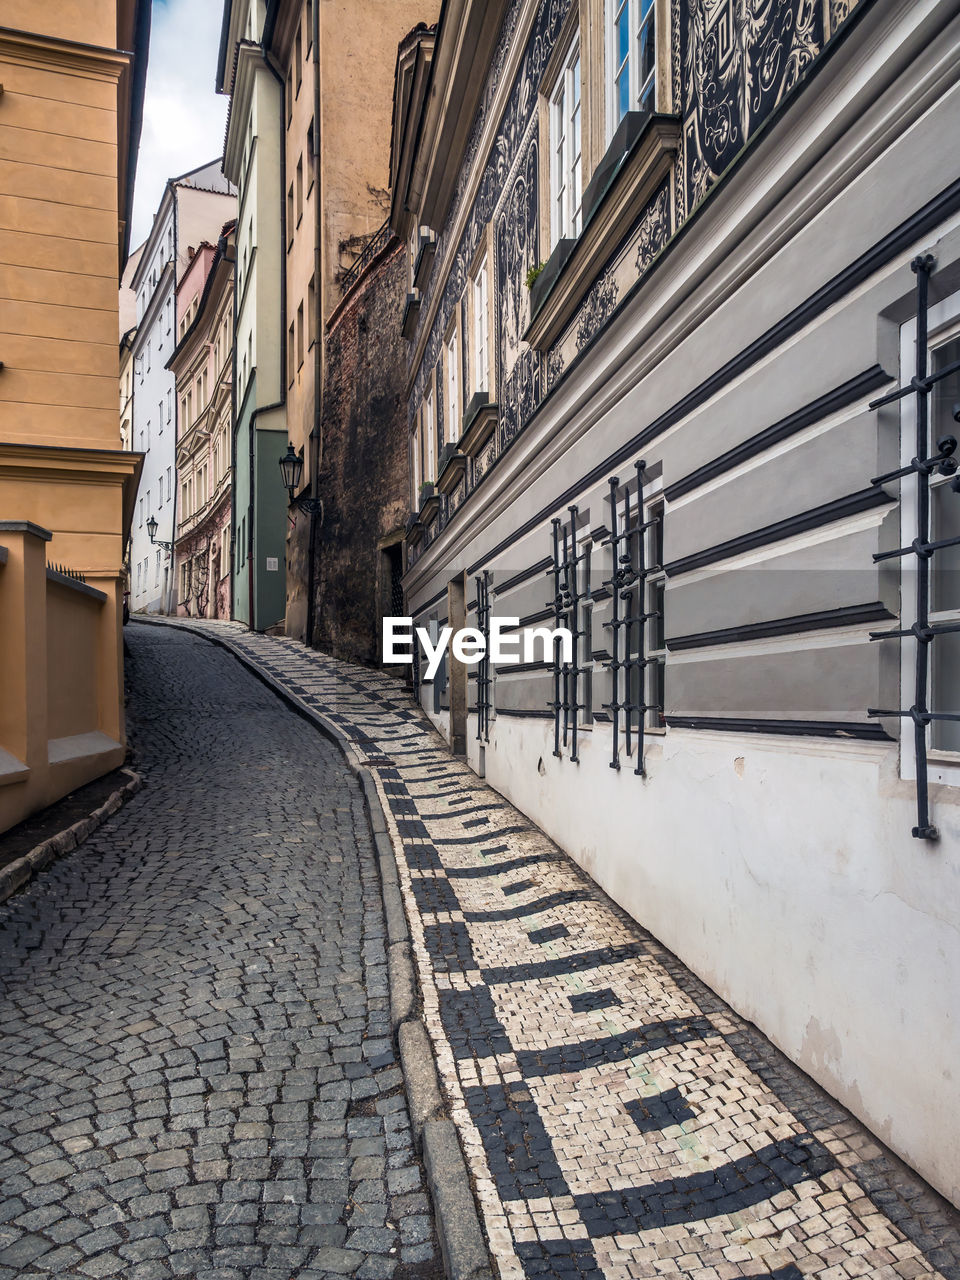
(462, 1244)
(17, 873)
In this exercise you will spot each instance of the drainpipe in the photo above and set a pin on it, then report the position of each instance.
(232, 259)
(315, 441)
(172, 583)
(267, 36)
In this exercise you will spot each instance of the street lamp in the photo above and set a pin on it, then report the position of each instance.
(152, 534)
(291, 469)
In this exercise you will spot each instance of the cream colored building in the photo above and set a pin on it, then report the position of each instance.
(73, 78)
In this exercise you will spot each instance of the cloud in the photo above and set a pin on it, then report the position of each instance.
(183, 115)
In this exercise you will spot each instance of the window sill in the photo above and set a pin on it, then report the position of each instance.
(411, 313)
(636, 162)
(479, 421)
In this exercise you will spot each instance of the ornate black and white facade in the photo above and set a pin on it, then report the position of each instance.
(677, 451)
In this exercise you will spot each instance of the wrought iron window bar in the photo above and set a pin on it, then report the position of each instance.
(484, 682)
(567, 598)
(922, 465)
(627, 584)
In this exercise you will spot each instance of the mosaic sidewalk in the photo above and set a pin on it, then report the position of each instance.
(619, 1120)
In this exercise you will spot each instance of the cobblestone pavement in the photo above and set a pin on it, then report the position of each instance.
(197, 1076)
(618, 1118)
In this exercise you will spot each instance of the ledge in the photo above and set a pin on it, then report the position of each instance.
(453, 465)
(636, 162)
(12, 769)
(426, 251)
(430, 509)
(413, 529)
(64, 580)
(25, 526)
(411, 313)
(479, 423)
(81, 746)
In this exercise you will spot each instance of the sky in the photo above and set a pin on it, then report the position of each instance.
(183, 115)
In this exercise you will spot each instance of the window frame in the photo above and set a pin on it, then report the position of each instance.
(636, 20)
(566, 158)
(453, 381)
(480, 317)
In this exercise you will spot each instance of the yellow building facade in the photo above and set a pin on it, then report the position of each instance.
(73, 77)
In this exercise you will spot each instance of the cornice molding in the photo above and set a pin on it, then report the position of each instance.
(47, 51)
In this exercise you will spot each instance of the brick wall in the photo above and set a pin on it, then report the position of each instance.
(363, 469)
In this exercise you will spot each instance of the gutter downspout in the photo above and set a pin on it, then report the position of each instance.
(315, 442)
(172, 583)
(233, 420)
(281, 402)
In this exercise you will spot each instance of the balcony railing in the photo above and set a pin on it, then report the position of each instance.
(376, 244)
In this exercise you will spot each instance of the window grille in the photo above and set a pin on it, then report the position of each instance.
(631, 614)
(922, 465)
(484, 682)
(567, 599)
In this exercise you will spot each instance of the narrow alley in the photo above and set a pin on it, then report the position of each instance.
(198, 1077)
(201, 1078)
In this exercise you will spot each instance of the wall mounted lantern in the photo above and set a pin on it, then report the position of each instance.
(154, 540)
(291, 469)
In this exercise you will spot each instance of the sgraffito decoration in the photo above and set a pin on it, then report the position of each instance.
(596, 311)
(517, 249)
(738, 60)
(732, 62)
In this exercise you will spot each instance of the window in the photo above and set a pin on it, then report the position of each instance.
(631, 58)
(169, 404)
(141, 513)
(308, 23)
(452, 362)
(291, 354)
(312, 310)
(289, 97)
(139, 573)
(156, 576)
(311, 155)
(481, 328)
(148, 357)
(299, 189)
(169, 482)
(224, 551)
(185, 580)
(300, 336)
(298, 58)
(427, 440)
(184, 500)
(290, 217)
(565, 150)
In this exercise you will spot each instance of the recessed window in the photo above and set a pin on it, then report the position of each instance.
(312, 310)
(300, 335)
(452, 362)
(299, 189)
(480, 350)
(566, 177)
(298, 58)
(631, 58)
(291, 354)
(290, 222)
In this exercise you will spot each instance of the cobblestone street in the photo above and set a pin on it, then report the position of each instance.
(197, 1075)
(619, 1119)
